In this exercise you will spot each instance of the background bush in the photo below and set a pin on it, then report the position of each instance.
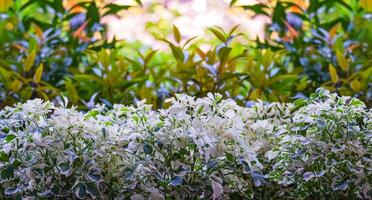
(64, 50)
(197, 148)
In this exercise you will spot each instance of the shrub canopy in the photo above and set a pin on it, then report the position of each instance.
(208, 147)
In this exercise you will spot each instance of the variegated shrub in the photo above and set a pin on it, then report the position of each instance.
(205, 148)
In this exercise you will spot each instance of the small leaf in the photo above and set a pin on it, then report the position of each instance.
(232, 2)
(333, 31)
(5, 5)
(114, 9)
(16, 85)
(177, 52)
(308, 176)
(257, 9)
(80, 190)
(355, 85)
(217, 189)
(366, 5)
(139, 2)
(64, 168)
(29, 61)
(4, 157)
(11, 191)
(299, 102)
(342, 61)
(147, 149)
(7, 173)
(218, 34)
(38, 74)
(176, 180)
(341, 186)
(94, 177)
(177, 34)
(92, 190)
(211, 164)
(10, 137)
(149, 56)
(72, 92)
(333, 73)
(224, 52)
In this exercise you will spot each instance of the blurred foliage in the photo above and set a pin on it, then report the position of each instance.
(44, 42)
(329, 41)
(51, 48)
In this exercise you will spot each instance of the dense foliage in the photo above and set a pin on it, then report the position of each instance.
(316, 148)
(63, 49)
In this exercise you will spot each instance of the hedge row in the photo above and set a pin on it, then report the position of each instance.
(205, 148)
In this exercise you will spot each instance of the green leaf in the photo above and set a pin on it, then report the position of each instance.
(114, 9)
(38, 74)
(7, 173)
(5, 5)
(139, 2)
(232, 2)
(16, 85)
(257, 9)
(92, 190)
(150, 55)
(92, 13)
(177, 52)
(10, 137)
(177, 34)
(219, 34)
(342, 61)
(4, 157)
(29, 61)
(5, 78)
(333, 73)
(80, 190)
(299, 102)
(147, 149)
(72, 92)
(366, 5)
(355, 85)
(224, 52)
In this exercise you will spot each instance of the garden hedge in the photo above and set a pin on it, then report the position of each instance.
(198, 148)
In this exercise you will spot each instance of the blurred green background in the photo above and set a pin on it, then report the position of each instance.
(75, 49)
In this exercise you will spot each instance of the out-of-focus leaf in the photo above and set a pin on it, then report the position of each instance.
(5, 5)
(16, 85)
(149, 56)
(177, 52)
(176, 181)
(333, 74)
(255, 94)
(113, 9)
(177, 34)
(139, 2)
(80, 190)
(29, 61)
(333, 31)
(219, 34)
(257, 9)
(232, 2)
(342, 61)
(73, 94)
(79, 33)
(366, 5)
(38, 74)
(355, 85)
(224, 52)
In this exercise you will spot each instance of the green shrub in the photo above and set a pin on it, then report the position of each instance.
(197, 148)
(324, 44)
